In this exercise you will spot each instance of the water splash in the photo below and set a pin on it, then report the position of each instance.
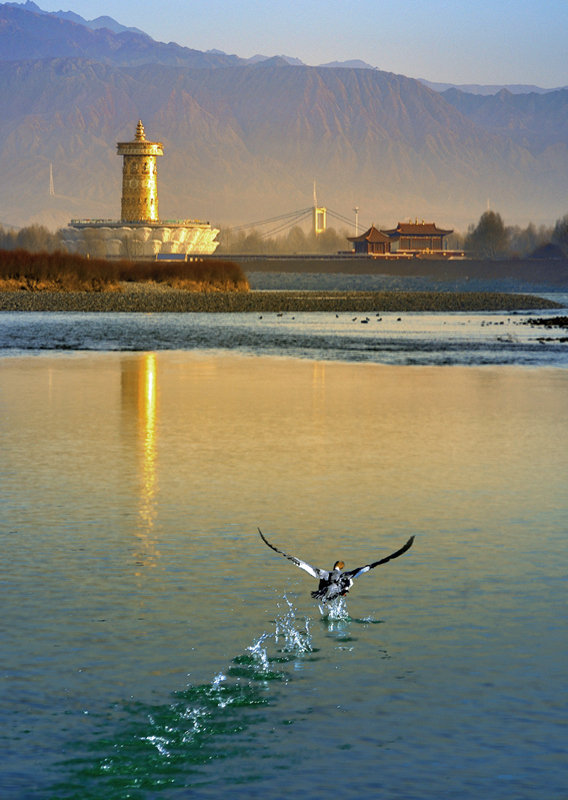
(169, 745)
(259, 654)
(295, 640)
(217, 680)
(335, 610)
(160, 743)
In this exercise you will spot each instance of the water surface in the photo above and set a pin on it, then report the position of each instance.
(153, 646)
(417, 338)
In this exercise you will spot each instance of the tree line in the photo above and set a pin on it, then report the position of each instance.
(34, 239)
(490, 238)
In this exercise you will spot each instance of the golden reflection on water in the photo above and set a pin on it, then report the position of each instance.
(318, 390)
(330, 459)
(307, 447)
(140, 398)
(148, 436)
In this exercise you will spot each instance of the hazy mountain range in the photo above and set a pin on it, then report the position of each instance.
(70, 16)
(244, 140)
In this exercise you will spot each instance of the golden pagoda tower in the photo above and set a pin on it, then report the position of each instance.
(139, 178)
(140, 233)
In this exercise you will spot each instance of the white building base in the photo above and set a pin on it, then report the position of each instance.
(133, 240)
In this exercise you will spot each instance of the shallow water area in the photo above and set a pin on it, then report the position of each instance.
(153, 646)
(411, 338)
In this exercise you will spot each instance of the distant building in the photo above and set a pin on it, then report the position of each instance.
(372, 242)
(417, 237)
(140, 233)
(407, 239)
(139, 177)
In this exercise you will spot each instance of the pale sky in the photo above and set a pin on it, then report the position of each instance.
(453, 41)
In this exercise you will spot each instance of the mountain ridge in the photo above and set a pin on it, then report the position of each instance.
(71, 16)
(29, 35)
(245, 140)
(115, 27)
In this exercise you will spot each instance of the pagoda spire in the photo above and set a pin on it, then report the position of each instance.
(140, 133)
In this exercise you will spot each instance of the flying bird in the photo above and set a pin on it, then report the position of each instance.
(335, 583)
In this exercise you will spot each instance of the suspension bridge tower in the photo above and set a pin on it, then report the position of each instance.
(139, 178)
(319, 215)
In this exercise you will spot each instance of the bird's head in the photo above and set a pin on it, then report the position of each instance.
(338, 565)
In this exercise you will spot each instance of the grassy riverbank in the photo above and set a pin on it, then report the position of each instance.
(155, 298)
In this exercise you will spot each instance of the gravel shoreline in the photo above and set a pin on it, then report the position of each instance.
(155, 298)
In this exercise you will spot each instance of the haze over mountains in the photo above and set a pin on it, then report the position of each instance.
(244, 140)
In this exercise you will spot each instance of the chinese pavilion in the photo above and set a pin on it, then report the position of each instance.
(417, 237)
(408, 238)
(372, 242)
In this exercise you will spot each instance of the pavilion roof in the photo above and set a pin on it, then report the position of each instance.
(372, 235)
(417, 229)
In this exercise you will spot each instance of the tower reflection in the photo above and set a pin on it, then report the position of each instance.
(148, 437)
(139, 387)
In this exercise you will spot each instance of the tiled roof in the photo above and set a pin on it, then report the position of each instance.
(418, 229)
(372, 235)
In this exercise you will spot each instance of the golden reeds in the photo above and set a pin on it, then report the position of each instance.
(65, 272)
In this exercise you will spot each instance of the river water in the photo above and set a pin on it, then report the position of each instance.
(389, 338)
(153, 646)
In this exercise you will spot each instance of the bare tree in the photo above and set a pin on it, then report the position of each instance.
(489, 239)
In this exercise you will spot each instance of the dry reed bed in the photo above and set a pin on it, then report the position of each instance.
(151, 298)
(65, 272)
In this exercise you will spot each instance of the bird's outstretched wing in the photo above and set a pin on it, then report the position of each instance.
(313, 571)
(354, 573)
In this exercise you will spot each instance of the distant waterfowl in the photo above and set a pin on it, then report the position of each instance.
(335, 583)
